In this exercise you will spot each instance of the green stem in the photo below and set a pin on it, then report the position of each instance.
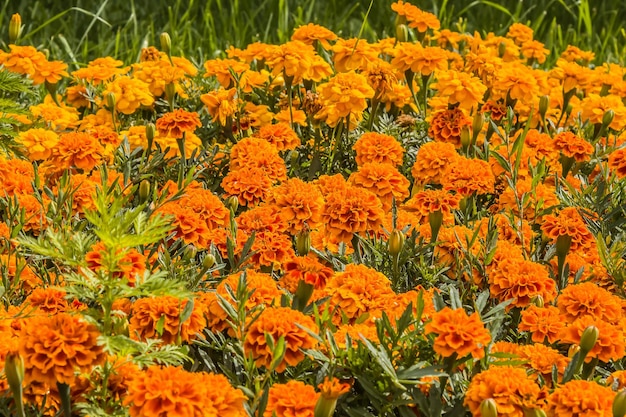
(66, 401)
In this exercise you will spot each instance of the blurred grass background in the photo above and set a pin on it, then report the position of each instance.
(83, 30)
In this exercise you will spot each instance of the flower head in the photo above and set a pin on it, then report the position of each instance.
(295, 398)
(457, 333)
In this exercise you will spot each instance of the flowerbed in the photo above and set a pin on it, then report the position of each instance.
(428, 225)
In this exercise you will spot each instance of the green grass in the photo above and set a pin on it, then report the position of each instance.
(204, 29)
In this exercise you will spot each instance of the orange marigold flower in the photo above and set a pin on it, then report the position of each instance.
(130, 94)
(351, 210)
(594, 106)
(221, 104)
(513, 391)
(261, 218)
(210, 208)
(172, 391)
(300, 204)
(573, 146)
(188, 224)
(271, 249)
(159, 318)
(280, 322)
(57, 118)
(610, 344)
(420, 60)
(356, 291)
(177, 123)
(522, 280)
(49, 71)
(224, 69)
(378, 147)
(101, 69)
(544, 323)
(446, 126)
(433, 158)
(311, 33)
(469, 176)
(457, 333)
(573, 53)
(516, 82)
(293, 59)
(617, 162)
(48, 300)
(579, 398)
(617, 380)
(384, 180)
(38, 143)
(415, 17)
(333, 388)
(535, 50)
(587, 298)
(542, 358)
(21, 59)
(344, 95)
(431, 201)
(352, 54)
(295, 398)
(77, 149)
(568, 222)
(459, 88)
(249, 186)
(305, 268)
(55, 347)
(280, 135)
(357, 333)
(520, 33)
(383, 78)
(258, 153)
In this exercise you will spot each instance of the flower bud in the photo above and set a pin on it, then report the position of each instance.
(144, 190)
(14, 369)
(402, 33)
(232, 203)
(15, 28)
(544, 104)
(170, 92)
(465, 136)
(396, 242)
(435, 219)
(208, 261)
(589, 338)
(573, 350)
(166, 42)
(190, 252)
(563, 244)
(111, 101)
(488, 408)
(303, 242)
(477, 123)
(619, 404)
(501, 49)
(293, 156)
(538, 301)
(608, 117)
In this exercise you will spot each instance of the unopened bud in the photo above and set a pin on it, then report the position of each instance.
(150, 133)
(538, 301)
(402, 33)
(477, 123)
(573, 350)
(111, 101)
(232, 203)
(15, 28)
(303, 242)
(144, 190)
(294, 155)
(170, 91)
(619, 404)
(544, 104)
(465, 136)
(488, 408)
(608, 117)
(589, 338)
(208, 261)
(14, 369)
(396, 242)
(501, 49)
(166, 42)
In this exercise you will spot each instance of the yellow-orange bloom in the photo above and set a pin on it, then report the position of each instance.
(344, 95)
(300, 204)
(520, 279)
(617, 162)
(580, 398)
(79, 150)
(415, 17)
(221, 104)
(280, 135)
(459, 87)
(568, 222)
(295, 398)
(279, 322)
(311, 33)
(544, 323)
(589, 299)
(446, 126)
(175, 124)
(351, 210)
(130, 94)
(457, 333)
(610, 345)
(38, 143)
(433, 159)
(378, 147)
(384, 180)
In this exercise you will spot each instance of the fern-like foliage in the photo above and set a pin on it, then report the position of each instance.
(13, 87)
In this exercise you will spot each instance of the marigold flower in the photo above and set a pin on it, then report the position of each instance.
(300, 204)
(617, 162)
(446, 126)
(129, 263)
(279, 322)
(130, 94)
(351, 210)
(610, 344)
(617, 380)
(515, 81)
(159, 318)
(344, 95)
(459, 88)
(249, 186)
(431, 201)
(467, 176)
(258, 153)
(356, 291)
(520, 33)
(100, 70)
(49, 71)
(415, 17)
(175, 124)
(57, 118)
(352, 54)
(569, 223)
(221, 104)
(385, 181)
(188, 224)
(166, 391)
(280, 135)
(513, 391)
(271, 249)
(311, 33)
(295, 398)
(48, 300)
(573, 146)
(573, 53)
(21, 59)
(433, 158)
(55, 347)
(544, 323)
(535, 50)
(293, 59)
(587, 298)
(594, 106)
(307, 269)
(261, 218)
(522, 280)
(38, 143)
(378, 147)
(223, 70)
(580, 398)
(457, 333)
(357, 332)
